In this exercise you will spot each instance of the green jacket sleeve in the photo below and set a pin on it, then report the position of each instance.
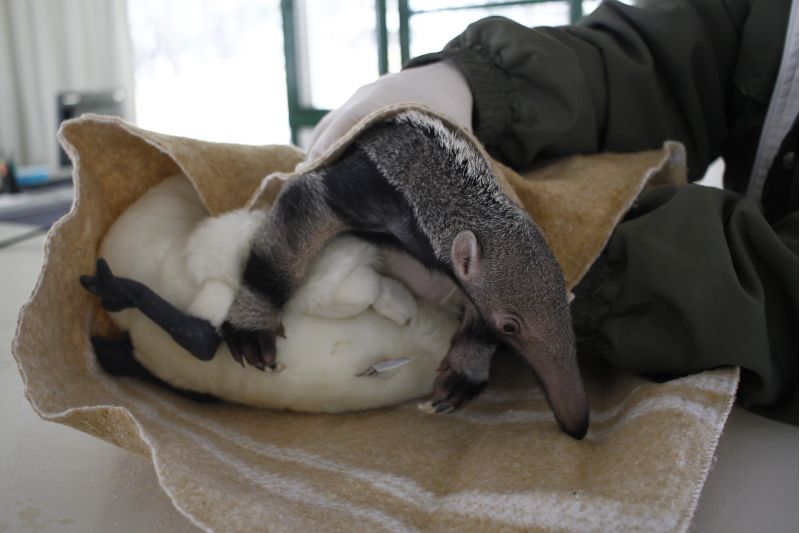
(696, 278)
(624, 78)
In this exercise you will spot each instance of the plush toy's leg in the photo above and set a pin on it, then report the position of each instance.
(116, 358)
(464, 372)
(197, 336)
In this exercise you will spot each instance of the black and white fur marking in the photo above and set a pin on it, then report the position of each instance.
(415, 183)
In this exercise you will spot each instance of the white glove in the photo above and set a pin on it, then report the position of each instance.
(440, 86)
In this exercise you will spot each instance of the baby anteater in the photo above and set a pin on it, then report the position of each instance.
(416, 183)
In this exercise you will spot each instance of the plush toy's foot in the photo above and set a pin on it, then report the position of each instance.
(195, 335)
(116, 358)
(453, 390)
(256, 348)
(108, 288)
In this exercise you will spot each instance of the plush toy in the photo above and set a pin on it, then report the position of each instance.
(353, 338)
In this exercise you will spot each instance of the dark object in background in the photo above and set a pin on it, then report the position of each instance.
(73, 104)
(48, 190)
(8, 181)
(39, 205)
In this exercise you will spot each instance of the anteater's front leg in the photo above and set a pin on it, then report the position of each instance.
(464, 371)
(296, 230)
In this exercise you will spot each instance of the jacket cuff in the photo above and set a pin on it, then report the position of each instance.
(589, 308)
(491, 90)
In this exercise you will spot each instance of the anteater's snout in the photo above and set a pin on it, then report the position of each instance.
(576, 426)
(561, 379)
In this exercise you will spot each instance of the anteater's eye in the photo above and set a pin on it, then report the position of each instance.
(510, 327)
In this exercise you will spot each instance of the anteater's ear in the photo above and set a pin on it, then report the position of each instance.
(466, 255)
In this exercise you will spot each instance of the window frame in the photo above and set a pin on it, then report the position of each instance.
(303, 115)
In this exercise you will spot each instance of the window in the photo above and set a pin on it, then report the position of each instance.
(331, 50)
(221, 70)
(211, 70)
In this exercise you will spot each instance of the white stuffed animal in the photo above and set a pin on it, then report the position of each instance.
(354, 338)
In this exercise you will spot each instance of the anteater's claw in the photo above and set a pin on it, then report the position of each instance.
(444, 408)
(453, 390)
(256, 348)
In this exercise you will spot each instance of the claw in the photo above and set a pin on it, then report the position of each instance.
(256, 348)
(236, 353)
(252, 352)
(266, 342)
(444, 408)
(280, 332)
(232, 340)
(453, 390)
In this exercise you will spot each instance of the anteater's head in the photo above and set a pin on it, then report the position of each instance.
(514, 280)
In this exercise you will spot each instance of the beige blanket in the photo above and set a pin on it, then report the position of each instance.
(500, 464)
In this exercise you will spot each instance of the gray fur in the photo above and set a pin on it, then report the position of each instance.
(289, 242)
(253, 311)
(292, 235)
(472, 348)
(451, 189)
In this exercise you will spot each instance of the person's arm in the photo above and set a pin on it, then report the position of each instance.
(695, 278)
(624, 78)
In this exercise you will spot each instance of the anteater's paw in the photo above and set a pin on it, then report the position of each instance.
(453, 390)
(256, 348)
(108, 288)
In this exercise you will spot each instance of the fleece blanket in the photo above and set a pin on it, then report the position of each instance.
(500, 464)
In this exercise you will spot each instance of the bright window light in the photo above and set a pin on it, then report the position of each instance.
(212, 70)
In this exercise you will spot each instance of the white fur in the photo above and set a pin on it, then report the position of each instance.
(345, 318)
(217, 247)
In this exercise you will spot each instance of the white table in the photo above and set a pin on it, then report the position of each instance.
(54, 478)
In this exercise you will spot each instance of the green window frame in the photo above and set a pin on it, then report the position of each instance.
(302, 115)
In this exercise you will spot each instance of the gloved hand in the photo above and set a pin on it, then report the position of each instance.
(440, 86)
